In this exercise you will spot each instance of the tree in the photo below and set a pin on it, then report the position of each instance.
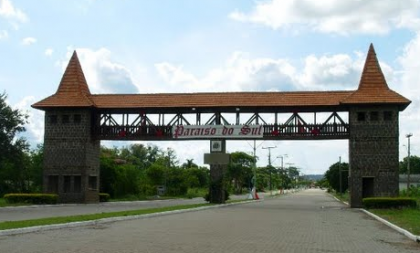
(36, 167)
(156, 174)
(14, 158)
(11, 123)
(189, 164)
(240, 170)
(197, 177)
(332, 175)
(414, 165)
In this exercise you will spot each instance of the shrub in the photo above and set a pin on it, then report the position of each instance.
(195, 192)
(386, 202)
(31, 198)
(104, 197)
(413, 192)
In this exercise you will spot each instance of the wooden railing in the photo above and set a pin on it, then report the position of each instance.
(271, 132)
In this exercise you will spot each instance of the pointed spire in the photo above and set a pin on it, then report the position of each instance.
(373, 88)
(372, 76)
(73, 90)
(73, 80)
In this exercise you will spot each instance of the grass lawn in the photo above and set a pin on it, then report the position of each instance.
(89, 217)
(409, 219)
(343, 197)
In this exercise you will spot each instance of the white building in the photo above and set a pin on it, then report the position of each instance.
(414, 181)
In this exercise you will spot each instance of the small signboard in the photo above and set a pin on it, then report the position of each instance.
(217, 158)
(216, 146)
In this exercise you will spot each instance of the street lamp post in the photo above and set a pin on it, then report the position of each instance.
(408, 161)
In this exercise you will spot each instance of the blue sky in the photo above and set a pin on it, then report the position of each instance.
(212, 45)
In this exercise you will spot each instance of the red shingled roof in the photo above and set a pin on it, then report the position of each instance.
(73, 91)
(226, 99)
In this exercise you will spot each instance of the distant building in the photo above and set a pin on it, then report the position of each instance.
(414, 181)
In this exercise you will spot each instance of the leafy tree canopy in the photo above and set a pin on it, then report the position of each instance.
(332, 175)
(15, 174)
(11, 123)
(414, 165)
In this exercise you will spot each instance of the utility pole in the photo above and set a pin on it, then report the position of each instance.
(281, 171)
(269, 164)
(339, 171)
(408, 161)
(255, 169)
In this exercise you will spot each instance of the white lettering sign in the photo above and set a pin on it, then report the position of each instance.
(217, 131)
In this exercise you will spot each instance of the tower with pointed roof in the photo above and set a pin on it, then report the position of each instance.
(374, 135)
(71, 164)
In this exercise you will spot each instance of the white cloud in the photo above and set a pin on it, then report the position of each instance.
(338, 72)
(49, 51)
(408, 85)
(239, 72)
(12, 14)
(242, 73)
(102, 74)
(334, 16)
(175, 75)
(4, 34)
(28, 41)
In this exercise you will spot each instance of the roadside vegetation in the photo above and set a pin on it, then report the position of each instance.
(407, 218)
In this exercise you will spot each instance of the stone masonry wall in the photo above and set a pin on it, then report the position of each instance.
(373, 151)
(71, 155)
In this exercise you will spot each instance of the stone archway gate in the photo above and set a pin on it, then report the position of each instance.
(76, 121)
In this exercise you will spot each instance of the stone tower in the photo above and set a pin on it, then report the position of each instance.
(71, 156)
(373, 143)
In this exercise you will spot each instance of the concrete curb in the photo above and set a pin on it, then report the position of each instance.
(339, 200)
(82, 204)
(113, 219)
(393, 226)
(389, 224)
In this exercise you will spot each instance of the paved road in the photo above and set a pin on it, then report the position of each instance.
(308, 221)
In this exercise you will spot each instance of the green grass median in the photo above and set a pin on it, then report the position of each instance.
(89, 217)
(407, 218)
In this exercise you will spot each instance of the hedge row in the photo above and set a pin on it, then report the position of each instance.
(31, 198)
(386, 202)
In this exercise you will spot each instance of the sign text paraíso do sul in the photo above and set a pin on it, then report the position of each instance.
(217, 131)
